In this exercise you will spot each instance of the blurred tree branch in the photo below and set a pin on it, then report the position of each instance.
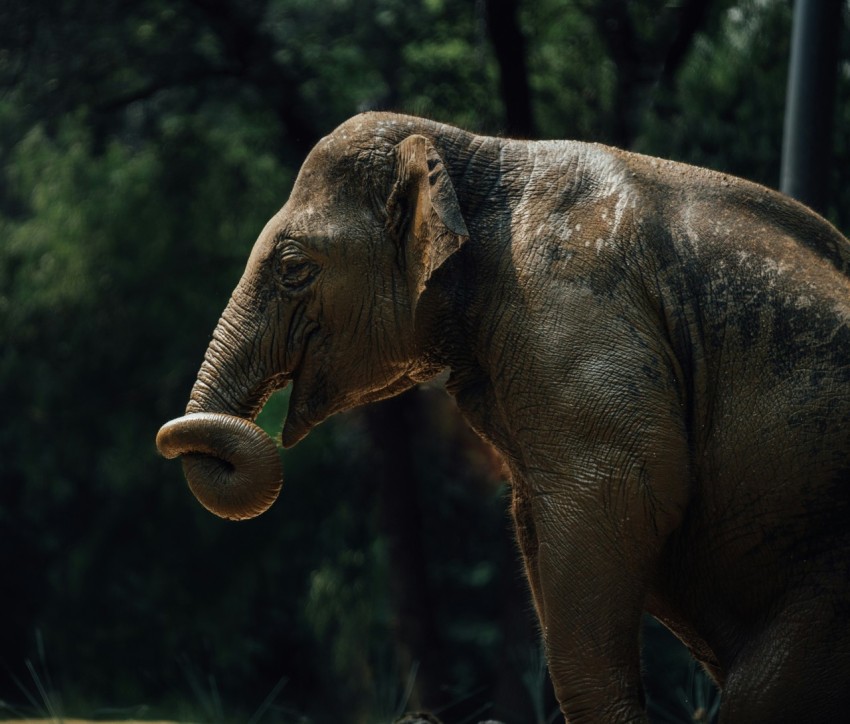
(645, 55)
(251, 50)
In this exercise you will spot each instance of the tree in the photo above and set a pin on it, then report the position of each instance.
(509, 47)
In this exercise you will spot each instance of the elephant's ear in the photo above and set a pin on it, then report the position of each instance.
(423, 213)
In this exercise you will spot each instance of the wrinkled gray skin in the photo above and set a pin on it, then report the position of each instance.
(661, 354)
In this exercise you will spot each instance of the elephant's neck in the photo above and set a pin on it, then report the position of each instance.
(461, 296)
(477, 297)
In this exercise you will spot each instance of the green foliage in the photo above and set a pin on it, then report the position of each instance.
(730, 96)
(572, 78)
(94, 357)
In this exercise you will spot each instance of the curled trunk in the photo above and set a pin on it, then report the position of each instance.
(232, 466)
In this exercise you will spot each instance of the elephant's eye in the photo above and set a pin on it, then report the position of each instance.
(297, 273)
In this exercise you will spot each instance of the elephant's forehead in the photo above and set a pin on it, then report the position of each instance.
(322, 191)
(314, 190)
(322, 223)
(324, 163)
(327, 192)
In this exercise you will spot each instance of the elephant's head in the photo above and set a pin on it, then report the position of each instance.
(327, 302)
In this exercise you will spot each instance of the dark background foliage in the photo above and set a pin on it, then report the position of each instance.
(143, 145)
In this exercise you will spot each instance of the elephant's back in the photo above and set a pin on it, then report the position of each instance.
(739, 207)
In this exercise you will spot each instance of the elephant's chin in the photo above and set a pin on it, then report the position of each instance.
(298, 421)
(293, 432)
(309, 405)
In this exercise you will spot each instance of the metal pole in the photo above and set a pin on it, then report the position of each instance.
(810, 101)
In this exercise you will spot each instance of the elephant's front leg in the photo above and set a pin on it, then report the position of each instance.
(590, 550)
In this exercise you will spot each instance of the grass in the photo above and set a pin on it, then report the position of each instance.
(44, 702)
(45, 706)
(692, 699)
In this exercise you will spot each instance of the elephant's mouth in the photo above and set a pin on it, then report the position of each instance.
(310, 403)
(299, 420)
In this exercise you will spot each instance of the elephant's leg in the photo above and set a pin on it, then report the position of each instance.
(590, 599)
(593, 665)
(600, 468)
(796, 669)
(592, 534)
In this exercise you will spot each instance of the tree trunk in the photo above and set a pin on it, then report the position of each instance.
(509, 47)
(393, 427)
(643, 62)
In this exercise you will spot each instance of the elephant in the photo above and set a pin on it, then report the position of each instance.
(660, 353)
